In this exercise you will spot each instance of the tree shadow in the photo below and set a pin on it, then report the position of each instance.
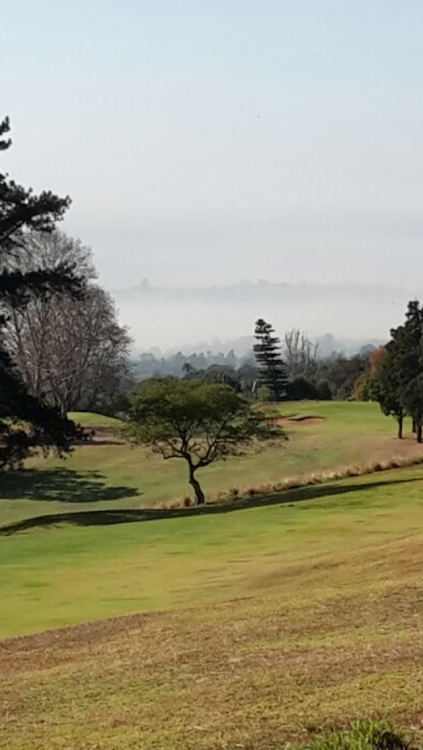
(61, 485)
(135, 515)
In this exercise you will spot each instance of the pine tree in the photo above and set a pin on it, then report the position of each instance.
(270, 365)
(25, 421)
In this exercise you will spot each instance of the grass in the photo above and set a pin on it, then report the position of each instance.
(365, 735)
(92, 420)
(236, 626)
(112, 476)
(262, 626)
(88, 569)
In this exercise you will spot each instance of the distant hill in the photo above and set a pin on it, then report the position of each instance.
(222, 317)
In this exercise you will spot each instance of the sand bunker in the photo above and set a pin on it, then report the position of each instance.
(298, 420)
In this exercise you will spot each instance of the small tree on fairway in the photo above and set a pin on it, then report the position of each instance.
(271, 367)
(197, 421)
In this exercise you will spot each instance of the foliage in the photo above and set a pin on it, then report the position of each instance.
(264, 394)
(70, 351)
(384, 385)
(412, 401)
(299, 353)
(324, 392)
(154, 364)
(396, 374)
(341, 374)
(364, 735)
(24, 420)
(271, 368)
(197, 421)
(301, 389)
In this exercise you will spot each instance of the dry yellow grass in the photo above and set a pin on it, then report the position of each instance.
(342, 639)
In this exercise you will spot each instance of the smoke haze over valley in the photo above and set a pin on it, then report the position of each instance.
(222, 317)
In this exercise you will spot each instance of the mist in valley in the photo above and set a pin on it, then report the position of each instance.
(219, 318)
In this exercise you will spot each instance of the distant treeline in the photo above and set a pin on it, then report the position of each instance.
(310, 376)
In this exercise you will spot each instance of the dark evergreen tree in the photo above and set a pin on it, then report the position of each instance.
(270, 365)
(412, 400)
(396, 380)
(384, 386)
(26, 421)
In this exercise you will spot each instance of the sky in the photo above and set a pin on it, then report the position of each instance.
(208, 141)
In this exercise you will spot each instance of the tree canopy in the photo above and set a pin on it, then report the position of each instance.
(198, 421)
(69, 350)
(271, 368)
(395, 380)
(26, 421)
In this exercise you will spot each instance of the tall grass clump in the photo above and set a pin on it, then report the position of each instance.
(364, 735)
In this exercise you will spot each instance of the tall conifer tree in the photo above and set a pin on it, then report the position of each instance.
(270, 365)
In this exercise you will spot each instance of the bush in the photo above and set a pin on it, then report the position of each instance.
(300, 389)
(264, 394)
(324, 392)
(364, 735)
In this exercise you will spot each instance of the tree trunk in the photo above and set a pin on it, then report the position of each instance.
(195, 484)
(414, 427)
(419, 433)
(400, 421)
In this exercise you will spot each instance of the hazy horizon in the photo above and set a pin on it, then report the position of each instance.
(192, 317)
(224, 140)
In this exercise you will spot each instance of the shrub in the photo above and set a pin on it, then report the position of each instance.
(324, 392)
(300, 389)
(364, 735)
(264, 394)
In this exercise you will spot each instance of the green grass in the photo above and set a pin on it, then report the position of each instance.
(90, 419)
(87, 571)
(266, 624)
(245, 626)
(113, 476)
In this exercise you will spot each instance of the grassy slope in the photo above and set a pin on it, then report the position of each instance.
(324, 623)
(93, 420)
(116, 476)
(72, 574)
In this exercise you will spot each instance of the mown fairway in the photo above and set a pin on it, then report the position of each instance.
(110, 475)
(322, 623)
(251, 624)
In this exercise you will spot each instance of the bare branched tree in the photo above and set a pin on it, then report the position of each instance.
(70, 351)
(299, 353)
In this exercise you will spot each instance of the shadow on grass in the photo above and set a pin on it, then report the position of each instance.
(111, 517)
(60, 485)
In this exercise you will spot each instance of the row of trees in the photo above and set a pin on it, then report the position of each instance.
(306, 373)
(395, 376)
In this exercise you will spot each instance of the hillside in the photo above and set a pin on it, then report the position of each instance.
(319, 622)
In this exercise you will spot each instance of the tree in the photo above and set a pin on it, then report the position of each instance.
(271, 367)
(196, 421)
(24, 420)
(300, 389)
(299, 353)
(384, 385)
(71, 352)
(396, 373)
(412, 400)
(324, 392)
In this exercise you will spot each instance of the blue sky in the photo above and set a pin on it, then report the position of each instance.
(207, 142)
